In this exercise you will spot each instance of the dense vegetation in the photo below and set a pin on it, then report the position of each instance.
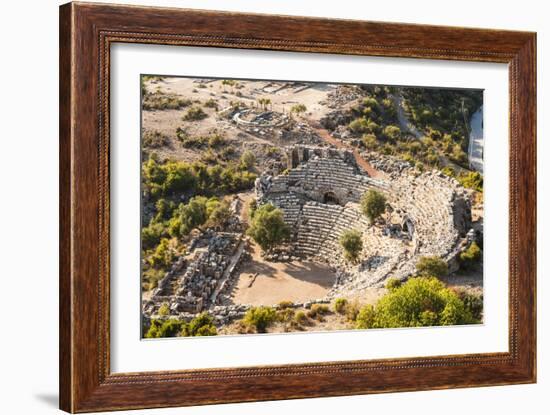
(421, 301)
(439, 118)
(202, 325)
(444, 115)
(181, 178)
(164, 186)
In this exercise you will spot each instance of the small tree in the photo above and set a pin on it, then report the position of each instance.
(432, 266)
(373, 204)
(298, 109)
(352, 244)
(268, 227)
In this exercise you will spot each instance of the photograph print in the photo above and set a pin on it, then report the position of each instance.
(276, 206)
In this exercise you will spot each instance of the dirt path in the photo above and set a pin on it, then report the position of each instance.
(364, 164)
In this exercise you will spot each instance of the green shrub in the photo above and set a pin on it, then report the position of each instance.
(162, 101)
(151, 277)
(260, 318)
(285, 315)
(268, 227)
(285, 304)
(154, 139)
(298, 109)
(473, 303)
(359, 125)
(366, 317)
(432, 266)
(194, 114)
(340, 305)
(189, 141)
(301, 318)
(201, 325)
(211, 104)
(392, 132)
(392, 284)
(162, 256)
(448, 171)
(248, 159)
(370, 141)
(216, 140)
(151, 235)
(317, 311)
(373, 204)
(218, 213)
(166, 328)
(421, 301)
(472, 180)
(470, 256)
(164, 309)
(252, 207)
(352, 310)
(352, 244)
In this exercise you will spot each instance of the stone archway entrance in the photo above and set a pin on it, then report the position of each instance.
(330, 198)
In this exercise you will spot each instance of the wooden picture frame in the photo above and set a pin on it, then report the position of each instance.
(86, 33)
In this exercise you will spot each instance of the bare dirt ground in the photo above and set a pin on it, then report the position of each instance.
(282, 97)
(295, 281)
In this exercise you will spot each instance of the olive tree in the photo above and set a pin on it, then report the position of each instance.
(373, 204)
(267, 227)
(352, 244)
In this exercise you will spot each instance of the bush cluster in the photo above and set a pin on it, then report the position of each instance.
(179, 177)
(162, 101)
(194, 114)
(260, 318)
(318, 311)
(421, 301)
(154, 139)
(201, 325)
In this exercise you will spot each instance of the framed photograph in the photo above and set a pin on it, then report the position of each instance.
(260, 207)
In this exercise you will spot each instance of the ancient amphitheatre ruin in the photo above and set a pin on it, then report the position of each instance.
(310, 166)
